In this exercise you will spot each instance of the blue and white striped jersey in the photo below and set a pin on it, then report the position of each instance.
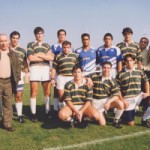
(87, 59)
(56, 48)
(112, 54)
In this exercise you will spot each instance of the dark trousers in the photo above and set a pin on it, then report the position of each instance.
(1, 111)
(6, 100)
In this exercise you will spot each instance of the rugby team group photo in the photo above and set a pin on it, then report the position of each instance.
(79, 85)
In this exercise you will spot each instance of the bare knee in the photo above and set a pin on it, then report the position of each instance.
(33, 90)
(103, 123)
(47, 93)
(99, 117)
(33, 93)
(62, 115)
(132, 123)
(18, 99)
(120, 105)
(96, 116)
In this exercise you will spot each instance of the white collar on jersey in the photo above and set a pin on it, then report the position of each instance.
(66, 54)
(129, 70)
(39, 43)
(108, 78)
(127, 43)
(13, 48)
(112, 46)
(82, 83)
(57, 44)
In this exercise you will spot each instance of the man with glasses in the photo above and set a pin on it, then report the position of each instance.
(146, 68)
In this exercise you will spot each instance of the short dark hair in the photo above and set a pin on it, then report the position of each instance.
(106, 63)
(61, 30)
(66, 43)
(145, 39)
(38, 29)
(77, 67)
(85, 34)
(131, 56)
(14, 33)
(127, 30)
(108, 34)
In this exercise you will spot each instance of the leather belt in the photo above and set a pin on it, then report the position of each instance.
(4, 78)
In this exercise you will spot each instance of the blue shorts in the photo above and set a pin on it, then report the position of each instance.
(129, 115)
(20, 88)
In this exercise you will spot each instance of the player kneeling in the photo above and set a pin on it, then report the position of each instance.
(78, 97)
(129, 80)
(106, 94)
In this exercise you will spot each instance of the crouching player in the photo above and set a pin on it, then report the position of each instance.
(129, 80)
(106, 94)
(78, 97)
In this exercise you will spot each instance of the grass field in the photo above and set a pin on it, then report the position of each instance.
(47, 134)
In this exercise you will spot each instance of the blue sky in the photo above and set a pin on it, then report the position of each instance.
(96, 17)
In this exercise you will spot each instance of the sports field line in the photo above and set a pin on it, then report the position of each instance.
(100, 141)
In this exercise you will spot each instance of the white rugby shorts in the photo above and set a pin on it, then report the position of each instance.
(99, 104)
(22, 78)
(62, 80)
(40, 73)
(134, 101)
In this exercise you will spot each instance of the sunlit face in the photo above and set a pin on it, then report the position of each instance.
(106, 69)
(77, 74)
(129, 63)
(66, 48)
(143, 43)
(4, 44)
(39, 36)
(108, 41)
(127, 36)
(85, 41)
(14, 40)
(61, 36)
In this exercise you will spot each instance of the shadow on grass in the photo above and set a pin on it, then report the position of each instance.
(55, 122)
(47, 123)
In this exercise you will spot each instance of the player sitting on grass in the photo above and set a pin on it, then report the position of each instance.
(78, 98)
(106, 94)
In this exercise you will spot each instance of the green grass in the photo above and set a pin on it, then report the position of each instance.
(136, 143)
(52, 133)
